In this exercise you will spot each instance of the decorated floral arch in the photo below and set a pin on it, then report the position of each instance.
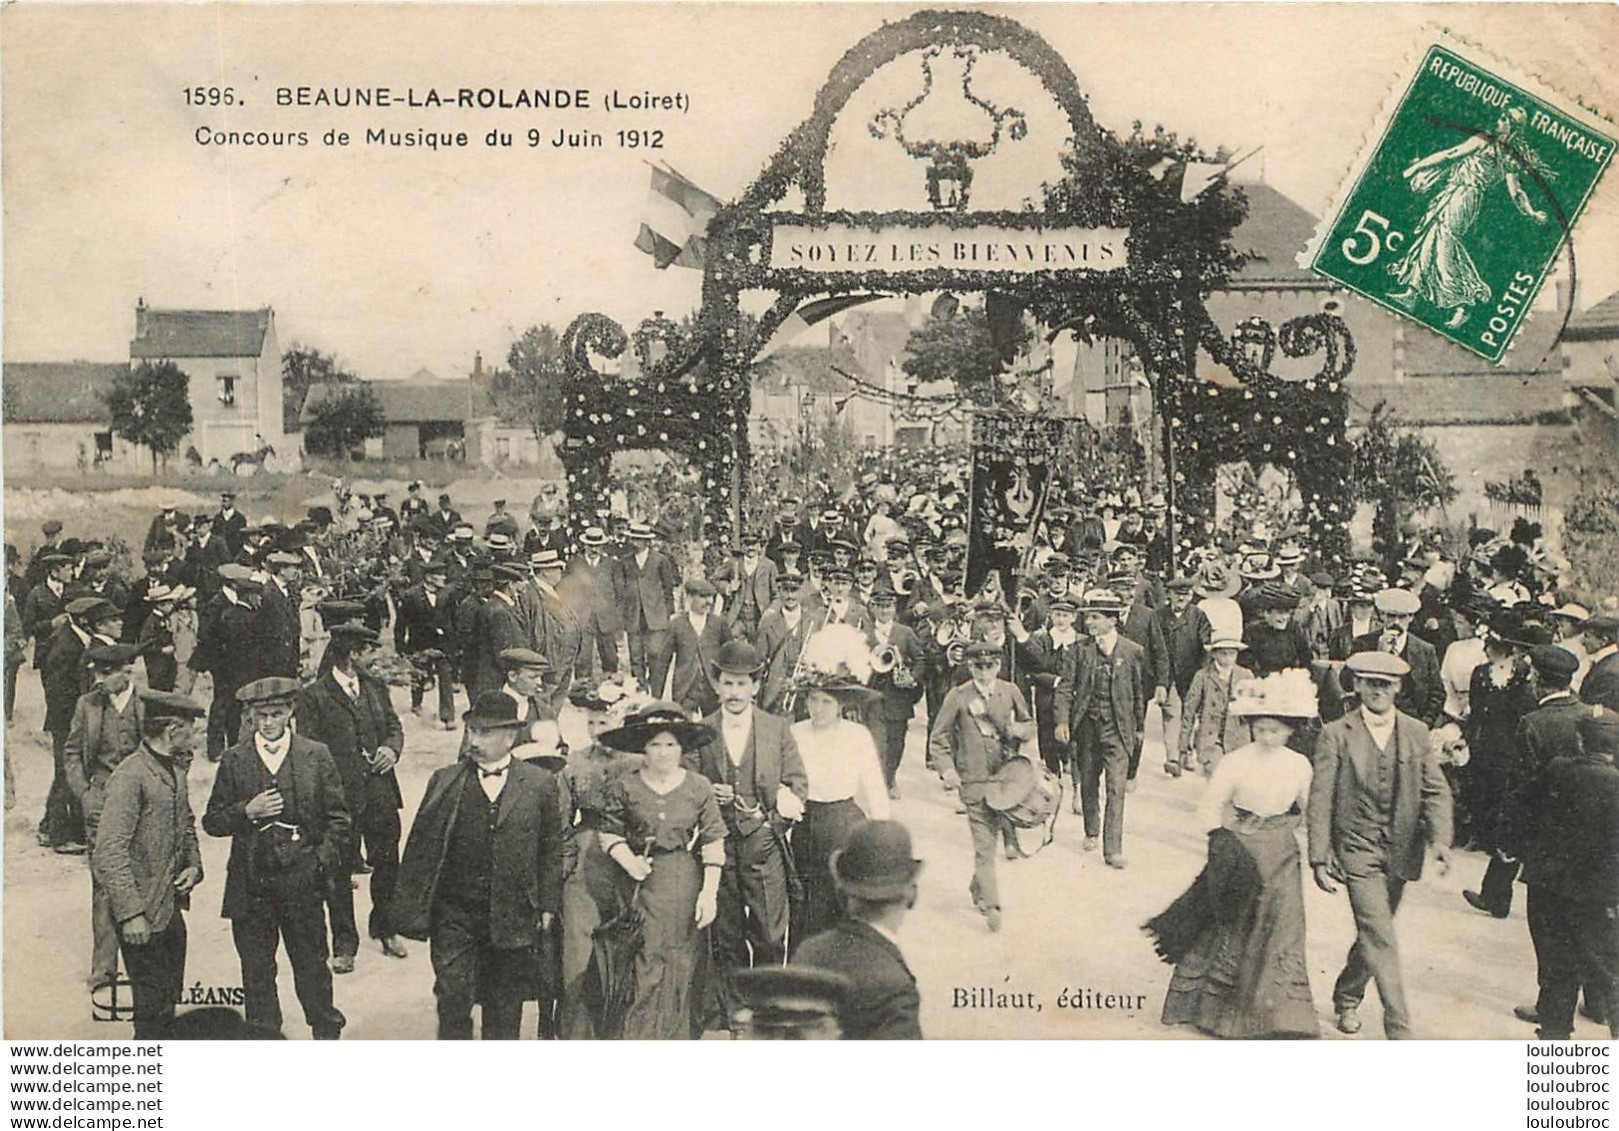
(693, 394)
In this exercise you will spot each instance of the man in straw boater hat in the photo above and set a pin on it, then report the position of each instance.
(594, 588)
(876, 873)
(1101, 706)
(650, 581)
(481, 878)
(760, 784)
(279, 797)
(1378, 800)
(146, 859)
(980, 725)
(349, 711)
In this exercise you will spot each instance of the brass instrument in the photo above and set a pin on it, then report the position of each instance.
(887, 659)
(790, 700)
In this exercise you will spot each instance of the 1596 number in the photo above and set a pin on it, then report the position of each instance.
(211, 96)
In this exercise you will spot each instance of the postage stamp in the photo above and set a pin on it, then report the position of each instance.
(1465, 202)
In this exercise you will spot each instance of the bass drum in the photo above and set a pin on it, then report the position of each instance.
(1025, 793)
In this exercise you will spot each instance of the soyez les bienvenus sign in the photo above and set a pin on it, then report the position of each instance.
(832, 248)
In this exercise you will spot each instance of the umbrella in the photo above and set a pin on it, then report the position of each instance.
(610, 979)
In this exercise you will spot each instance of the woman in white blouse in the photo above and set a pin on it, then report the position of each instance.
(1237, 936)
(846, 788)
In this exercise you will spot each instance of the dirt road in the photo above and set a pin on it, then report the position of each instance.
(1071, 924)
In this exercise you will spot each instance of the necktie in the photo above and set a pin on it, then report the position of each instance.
(483, 773)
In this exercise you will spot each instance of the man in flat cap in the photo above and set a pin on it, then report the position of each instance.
(106, 729)
(1422, 691)
(692, 647)
(348, 711)
(279, 797)
(980, 726)
(1572, 817)
(876, 872)
(38, 569)
(526, 671)
(43, 607)
(1601, 684)
(481, 880)
(1378, 800)
(230, 524)
(230, 648)
(1543, 734)
(146, 861)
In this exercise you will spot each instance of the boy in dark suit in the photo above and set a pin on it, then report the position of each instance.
(877, 875)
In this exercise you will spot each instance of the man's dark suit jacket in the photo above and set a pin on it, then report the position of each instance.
(1128, 681)
(692, 654)
(1601, 684)
(530, 844)
(773, 754)
(1422, 691)
(883, 1002)
(317, 798)
(328, 716)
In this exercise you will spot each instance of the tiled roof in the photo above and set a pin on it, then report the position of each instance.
(1534, 350)
(805, 368)
(199, 333)
(1600, 321)
(407, 402)
(1271, 237)
(58, 392)
(1469, 398)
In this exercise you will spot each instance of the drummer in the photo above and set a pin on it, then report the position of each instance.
(980, 726)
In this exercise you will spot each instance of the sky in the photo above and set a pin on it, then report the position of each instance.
(398, 259)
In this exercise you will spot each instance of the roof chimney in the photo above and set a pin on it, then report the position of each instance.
(140, 317)
(477, 364)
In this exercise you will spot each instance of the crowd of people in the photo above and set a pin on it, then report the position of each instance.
(726, 835)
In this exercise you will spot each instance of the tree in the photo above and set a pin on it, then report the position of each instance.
(963, 347)
(302, 367)
(529, 390)
(1398, 471)
(343, 420)
(151, 407)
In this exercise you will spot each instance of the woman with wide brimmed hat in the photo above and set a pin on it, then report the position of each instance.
(846, 786)
(1237, 936)
(654, 824)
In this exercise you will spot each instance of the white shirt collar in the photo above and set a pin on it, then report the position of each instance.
(121, 700)
(273, 754)
(1381, 726)
(490, 780)
(1107, 641)
(349, 683)
(1604, 652)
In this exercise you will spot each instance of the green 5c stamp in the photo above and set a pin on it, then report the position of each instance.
(1461, 208)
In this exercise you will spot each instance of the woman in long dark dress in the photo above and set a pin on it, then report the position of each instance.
(594, 890)
(662, 826)
(1237, 936)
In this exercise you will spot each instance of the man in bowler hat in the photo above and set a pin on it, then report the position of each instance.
(876, 873)
(481, 878)
(279, 797)
(760, 784)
